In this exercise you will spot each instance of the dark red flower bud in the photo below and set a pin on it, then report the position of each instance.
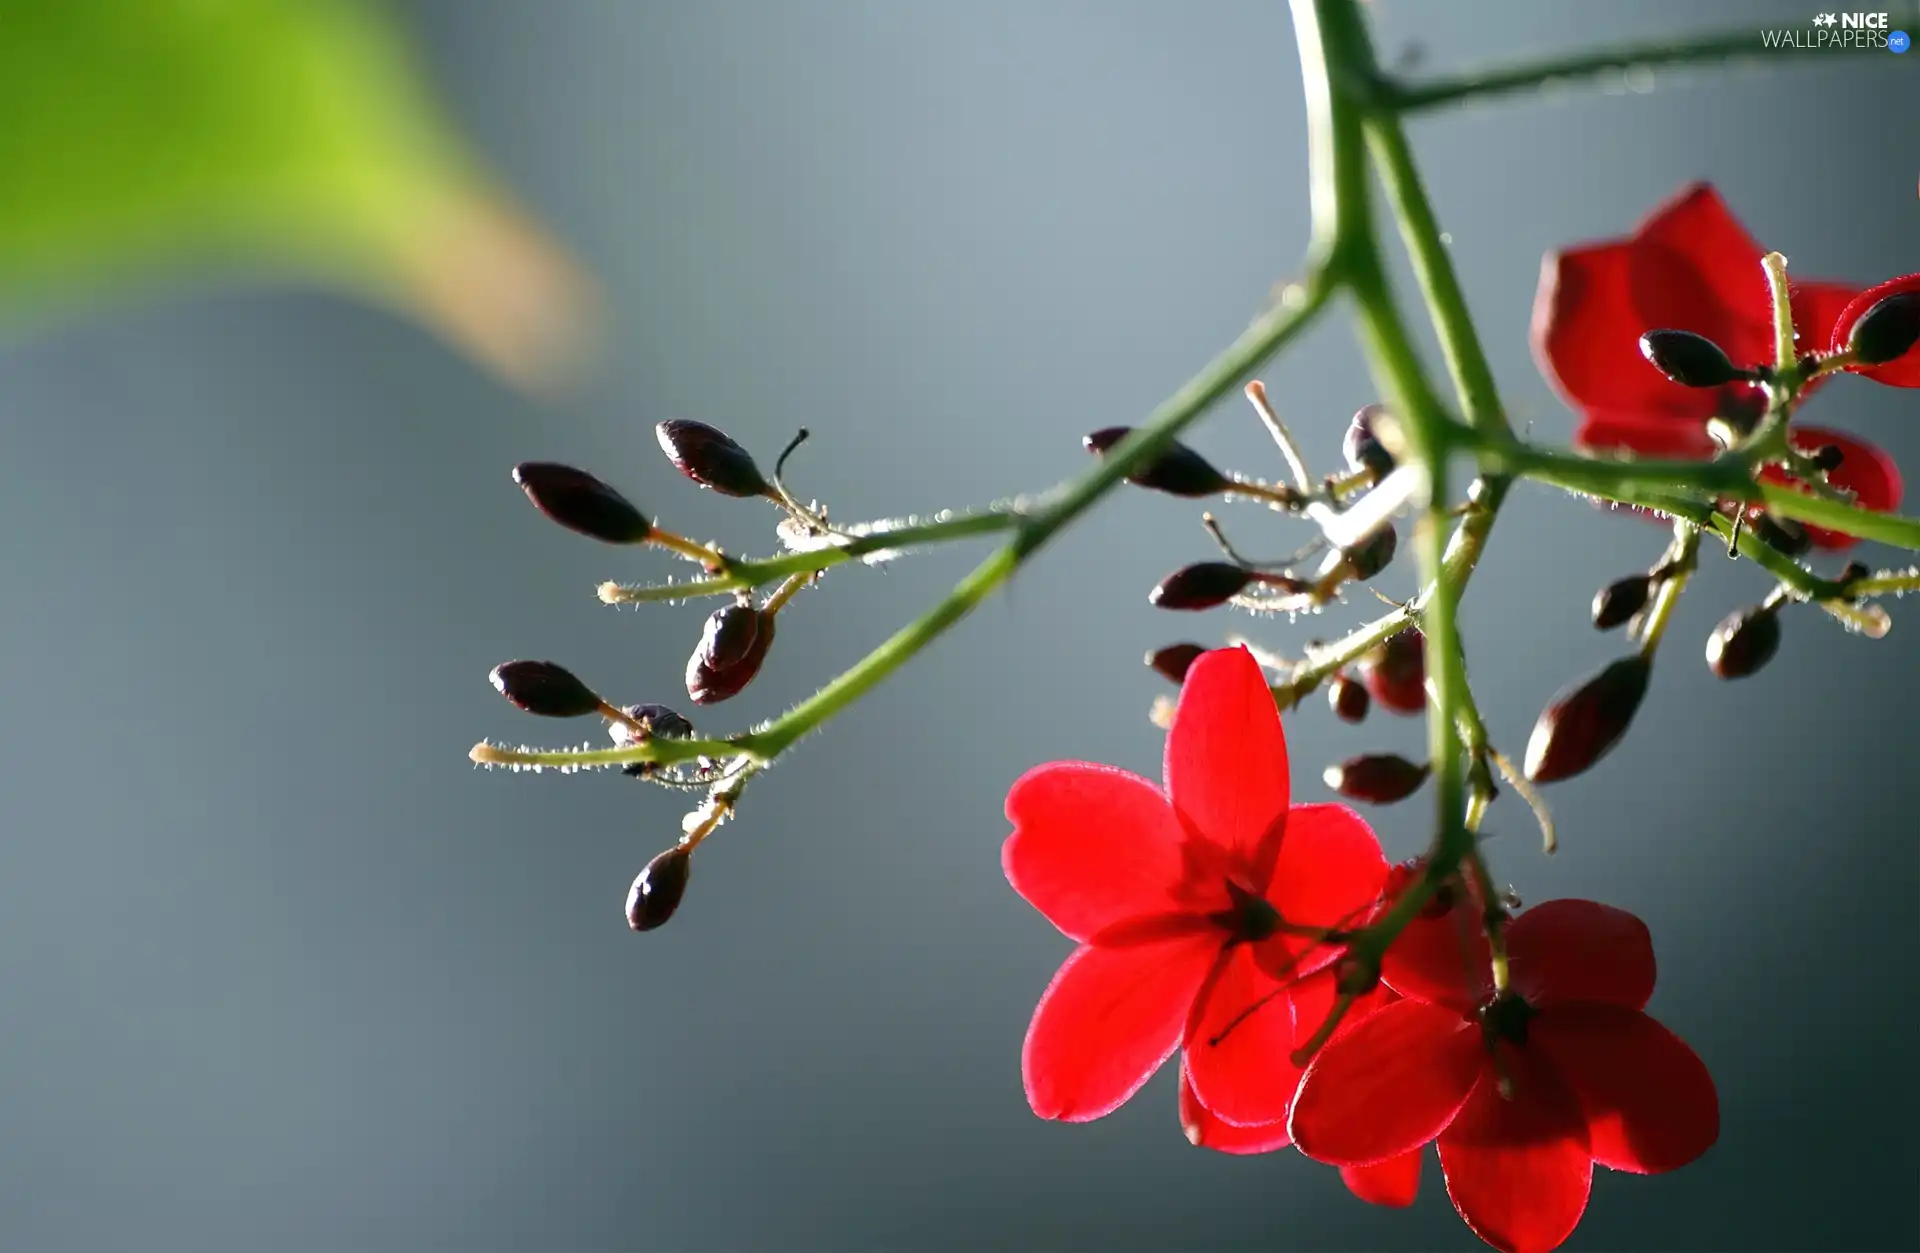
(580, 502)
(540, 687)
(1179, 471)
(1585, 721)
(1396, 673)
(1354, 975)
(1688, 359)
(1372, 554)
(1783, 535)
(656, 892)
(1200, 586)
(1377, 778)
(1743, 642)
(1886, 331)
(710, 457)
(661, 723)
(1828, 457)
(1362, 447)
(1348, 698)
(732, 645)
(1620, 600)
(1173, 661)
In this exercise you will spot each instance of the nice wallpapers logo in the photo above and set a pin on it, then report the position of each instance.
(1840, 30)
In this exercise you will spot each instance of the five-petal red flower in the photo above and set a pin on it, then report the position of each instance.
(1691, 266)
(1189, 906)
(1524, 1092)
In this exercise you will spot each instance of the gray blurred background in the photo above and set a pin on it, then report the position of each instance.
(283, 971)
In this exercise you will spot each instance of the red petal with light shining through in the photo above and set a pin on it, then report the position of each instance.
(1444, 960)
(1695, 268)
(1586, 338)
(1388, 1086)
(1329, 871)
(1108, 1020)
(1092, 846)
(1573, 950)
(1902, 371)
(1394, 1182)
(1226, 757)
(1518, 1171)
(1207, 1130)
(1237, 1048)
(1650, 1104)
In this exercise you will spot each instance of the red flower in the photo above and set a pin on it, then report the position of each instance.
(1586, 1075)
(1187, 906)
(1691, 266)
(1394, 1182)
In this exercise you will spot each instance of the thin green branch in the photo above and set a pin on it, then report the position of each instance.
(743, 575)
(1710, 48)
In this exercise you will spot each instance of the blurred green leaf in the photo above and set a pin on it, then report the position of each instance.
(145, 139)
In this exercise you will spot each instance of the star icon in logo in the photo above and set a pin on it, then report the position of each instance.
(1825, 19)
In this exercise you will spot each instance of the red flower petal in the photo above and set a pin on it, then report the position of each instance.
(1518, 1170)
(1107, 1021)
(1226, 755)
(1586, 338)
(1388, 1086)
(1817, 309)
(1694, 267)
(1237, 1047)
(1902, 371)
(1864, 470)
(1650, 1103)
(1571, 950)
(1444, 960)
(1394, 1182)
(1329, 870)
(1647, 434)
(1208, 1130)
(1091, 846)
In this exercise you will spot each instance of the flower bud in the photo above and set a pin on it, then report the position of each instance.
(710, 457)
(1743, 642)
(1584, 722)
(1354, 975)
(733, 643)
(657, 890)
(580, 502)
(1348, 698)
(1173, 661)
(1828, 457)
(1886, 331)
(1620, 600)
(1376, 778)
(540, 687)
(1783, 535)
(1688, 359)
(1363, 448)
(1200, 586)
(1396, 673)
(1178, 471)
(1372, 554)
(661, 723)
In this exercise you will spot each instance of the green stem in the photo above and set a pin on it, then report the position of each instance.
(1713, 47)
(1433, 268)
(1343, 43)
(743, 575)
(1265, 337)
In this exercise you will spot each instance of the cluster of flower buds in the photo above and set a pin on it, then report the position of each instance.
(733, 644)
(1178, 470)
(734, 641)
